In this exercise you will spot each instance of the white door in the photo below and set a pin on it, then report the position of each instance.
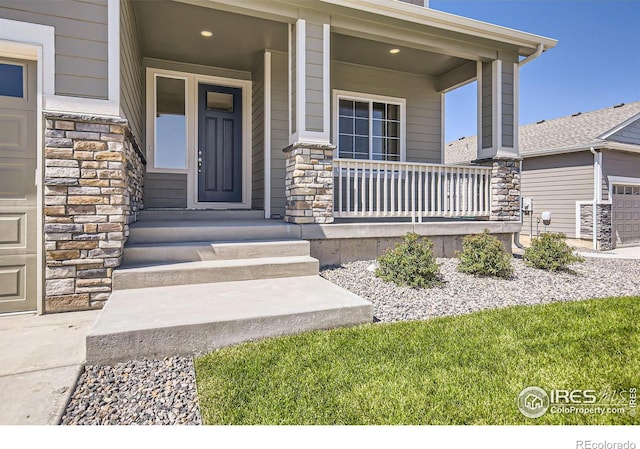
(626, 215)
(18, 214)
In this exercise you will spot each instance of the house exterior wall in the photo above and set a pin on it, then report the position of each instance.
(165, 190)
(555, 183)
(618, 163)
(417, 2)
(628, 134)
(131, 72)
(257, 130)
(423, 137)
(81, 30)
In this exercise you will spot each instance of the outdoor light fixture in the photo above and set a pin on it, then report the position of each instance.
(394, 51)
(206, 33)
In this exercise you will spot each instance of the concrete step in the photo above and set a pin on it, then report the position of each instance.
(187, 320)
(159, 253)
(186, 214)
(201, 231)
(162, 253)
(210, 271)
(257, 249)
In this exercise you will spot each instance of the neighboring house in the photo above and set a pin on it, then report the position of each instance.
(575, 165)
(326, 113)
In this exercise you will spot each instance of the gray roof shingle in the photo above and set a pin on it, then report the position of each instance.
(581, 129)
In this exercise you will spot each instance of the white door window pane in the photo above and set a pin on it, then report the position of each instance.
(170, 124)
(11, 80)
(218, 101)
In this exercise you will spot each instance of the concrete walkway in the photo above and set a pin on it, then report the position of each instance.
(41, 359)
(631, 252)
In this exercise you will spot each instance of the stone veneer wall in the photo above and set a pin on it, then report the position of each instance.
(92, 192)
(309, 184)
(505, 189)
(603, 211)
(604, 238)
(586, 220)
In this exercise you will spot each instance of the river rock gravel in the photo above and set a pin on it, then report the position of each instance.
(462, 293)
(137, 392)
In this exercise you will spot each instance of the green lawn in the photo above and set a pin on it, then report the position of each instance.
(453, 370)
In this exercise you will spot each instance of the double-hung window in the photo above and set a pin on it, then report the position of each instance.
(369, 128)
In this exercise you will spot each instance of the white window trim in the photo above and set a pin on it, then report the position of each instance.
(191, 85)
(359, 96)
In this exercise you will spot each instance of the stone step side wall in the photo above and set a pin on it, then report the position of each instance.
(93, 184)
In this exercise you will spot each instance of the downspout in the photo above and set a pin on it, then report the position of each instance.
(532, 56)
(596, 178)
(516, 235)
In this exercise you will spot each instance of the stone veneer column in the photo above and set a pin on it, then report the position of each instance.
(505, 189)
(604, 235)
(309, 183)
(92, 192)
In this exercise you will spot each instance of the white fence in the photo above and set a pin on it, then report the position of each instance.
(404, 189)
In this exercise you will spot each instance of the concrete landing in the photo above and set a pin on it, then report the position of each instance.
(191, 319)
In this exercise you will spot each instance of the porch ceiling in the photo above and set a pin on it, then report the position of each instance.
(376, 54)
(171, 31)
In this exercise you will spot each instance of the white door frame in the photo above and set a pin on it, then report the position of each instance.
(192, 81)
(34, 42)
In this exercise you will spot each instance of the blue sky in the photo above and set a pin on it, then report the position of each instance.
(596, 63)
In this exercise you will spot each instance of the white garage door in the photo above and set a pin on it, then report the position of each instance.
(626, 215)
(18, 242)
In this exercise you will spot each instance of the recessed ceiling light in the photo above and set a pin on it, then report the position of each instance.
(394, 51)
(206, 33)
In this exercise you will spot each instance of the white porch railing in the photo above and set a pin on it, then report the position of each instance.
(405, 189)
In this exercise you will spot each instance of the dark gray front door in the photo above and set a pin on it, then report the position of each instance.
(220, 140)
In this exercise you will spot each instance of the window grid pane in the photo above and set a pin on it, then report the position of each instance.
(368, 130)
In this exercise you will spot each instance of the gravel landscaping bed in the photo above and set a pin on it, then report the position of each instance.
(138, 392)
(462, 293)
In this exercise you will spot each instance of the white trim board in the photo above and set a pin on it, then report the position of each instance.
(577, 217)
(191, 85)
(267, 135)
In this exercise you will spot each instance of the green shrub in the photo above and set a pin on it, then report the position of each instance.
(410, 263)
(483, 254)
(550, 252)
